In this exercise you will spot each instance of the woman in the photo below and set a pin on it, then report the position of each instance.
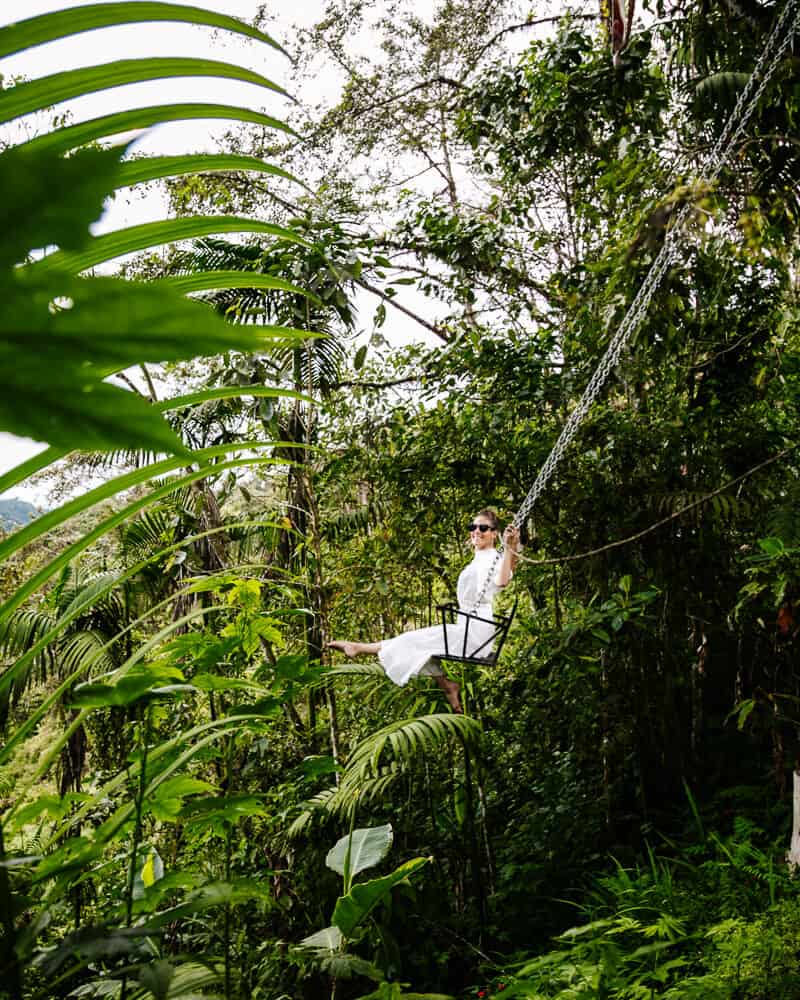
(413, 653)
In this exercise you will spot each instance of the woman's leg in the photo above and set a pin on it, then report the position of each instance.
(356, 648)
(451, 691)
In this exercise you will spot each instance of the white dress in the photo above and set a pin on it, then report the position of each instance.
(416, 652)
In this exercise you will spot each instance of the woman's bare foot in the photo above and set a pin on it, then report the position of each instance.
(348, 648)
(352, 649)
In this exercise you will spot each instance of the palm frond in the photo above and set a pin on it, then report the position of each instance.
(82, 590)
(721, 88)
(319, 362)
(368, 682)
(19, 633)
(371, 670)
(252, 542)
(370, 791)
(342, 799)
(23, 629)
(724, 509)
(214, 254)
(405, 740)
(354, 522)
(120, 458)
(149, 532)
(312, 806)
(85, 649)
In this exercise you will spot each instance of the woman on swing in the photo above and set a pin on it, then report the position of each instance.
(413, 653)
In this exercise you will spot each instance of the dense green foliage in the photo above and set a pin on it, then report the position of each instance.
(197, 800)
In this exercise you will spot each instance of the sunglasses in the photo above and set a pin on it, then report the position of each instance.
(479, 527)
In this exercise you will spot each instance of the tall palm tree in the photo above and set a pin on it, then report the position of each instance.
(324, 267)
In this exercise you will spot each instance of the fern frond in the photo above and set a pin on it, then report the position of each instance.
(724, 509)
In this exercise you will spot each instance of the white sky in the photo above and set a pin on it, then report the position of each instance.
(139, 41)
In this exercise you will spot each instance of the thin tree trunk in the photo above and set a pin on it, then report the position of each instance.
(9, 963)
(475, 861)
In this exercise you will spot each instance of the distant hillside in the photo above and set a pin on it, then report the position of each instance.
(13, 513)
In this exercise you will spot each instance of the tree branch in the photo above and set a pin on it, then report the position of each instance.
(150, 387)
(405, 93)
(506, 270)
(531, 23)
(131, 384)
(358, 384)
(442, 334)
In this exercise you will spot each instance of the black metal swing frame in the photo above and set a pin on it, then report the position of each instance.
(450, 614)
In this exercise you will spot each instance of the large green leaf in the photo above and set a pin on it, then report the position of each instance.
(48, 456)
(152, 322)
(351, 909)
(91, 328)
(37, 95)
(367, 847)
(70, 137)
(35, 216)
(74, 20)
(66, 403)
(80, 412)
(182, 786)
(150, 168)
(152, 680)
(152, 234)
(228, 809)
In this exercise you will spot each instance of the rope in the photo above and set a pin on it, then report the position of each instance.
(575, 557)
(767, 63)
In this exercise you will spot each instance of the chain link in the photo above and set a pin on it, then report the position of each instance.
(753, 90)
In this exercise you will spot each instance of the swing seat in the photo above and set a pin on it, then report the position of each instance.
(488, 652)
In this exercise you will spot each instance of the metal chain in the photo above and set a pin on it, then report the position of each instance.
(745, 106)
(715, 159)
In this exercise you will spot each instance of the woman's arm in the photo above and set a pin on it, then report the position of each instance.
(511, 544)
